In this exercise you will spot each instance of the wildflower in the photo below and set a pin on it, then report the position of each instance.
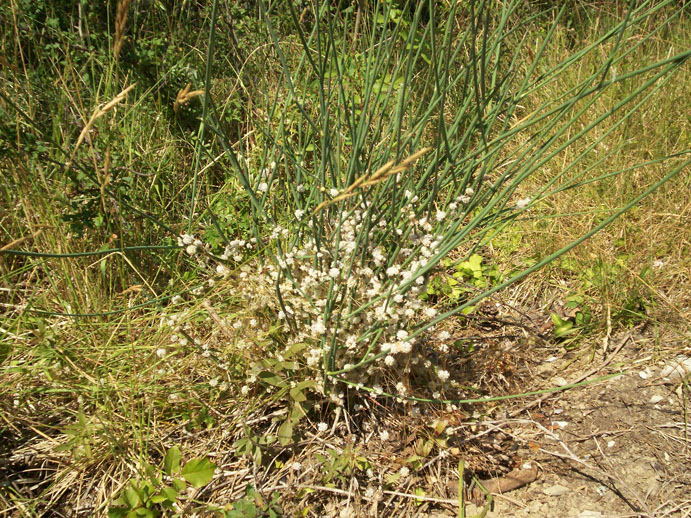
(392, 271)
(465, 200)
(318, 327)
(263, 187)
(213, 382)
(333, 192)
(389, 360)
(161, 352)
(253, 323)
(441, 215)
(191, 249)
(245, 390)
(281, 315)
(384, 435)
(444, 335)
(222, 269)
(430, 312)
(402, 334)
(470, 191)
(334, 273)
(658, 263)
(299, 213)
(404, 471)
(301, 188)
(296, 466)
(443, 375)
(523, 203)
(322, 427)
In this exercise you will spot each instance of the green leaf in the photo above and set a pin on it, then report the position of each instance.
(198, 472)
(131, 497)
(285, 432)
(171, 462)
(272, 379)
(117, 512)
(170, 493)
(179, 485)
(296, 392)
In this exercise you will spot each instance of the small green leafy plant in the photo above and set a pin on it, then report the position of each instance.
(468, 277)
(148, 497)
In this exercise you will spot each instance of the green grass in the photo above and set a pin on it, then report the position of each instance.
(95, 400)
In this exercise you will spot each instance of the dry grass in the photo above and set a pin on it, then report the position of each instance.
(87, 404)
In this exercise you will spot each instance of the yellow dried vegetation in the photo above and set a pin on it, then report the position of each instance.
(185, 95)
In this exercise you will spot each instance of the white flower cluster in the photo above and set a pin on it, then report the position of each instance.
(191, 244)
(353, 296)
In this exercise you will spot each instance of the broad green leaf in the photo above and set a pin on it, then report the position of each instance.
(272, 379)
(171, 462)
(198, 472)
(285, 432)
(296, 392)
(170, 493)
(117, 512)
(131, 497)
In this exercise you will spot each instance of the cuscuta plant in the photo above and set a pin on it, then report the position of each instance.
(163, 487)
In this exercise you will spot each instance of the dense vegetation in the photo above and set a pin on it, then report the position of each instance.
(232, 231)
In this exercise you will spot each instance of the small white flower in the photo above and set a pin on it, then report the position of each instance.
(523, 203)
(245, 390)
(659, 263)
(333, 192)
(430, 312)
(281, 315)
(299, 213)
(296, 466)
(441, 215)
(161, 352)
(384, 435)
(191, 249)
(465, 200)
(253, 323)
(443, 375)
(301, 188)
(322, 427)
(263, 187)
(392, 271)
(222, 269)
(213, 382)
(389, 360)
(444, 335)
(334, 273)
(404, 471)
